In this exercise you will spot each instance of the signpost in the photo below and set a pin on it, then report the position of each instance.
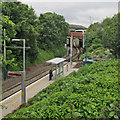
(11, 73)
(20, 74)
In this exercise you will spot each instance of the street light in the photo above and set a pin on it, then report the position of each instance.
(24, 73)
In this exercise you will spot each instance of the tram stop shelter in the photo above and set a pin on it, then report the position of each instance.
(59, 66)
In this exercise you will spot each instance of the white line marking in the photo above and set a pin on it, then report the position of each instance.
(26, 88)
(20, 90)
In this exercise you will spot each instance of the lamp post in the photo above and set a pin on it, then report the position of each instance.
(24, 73)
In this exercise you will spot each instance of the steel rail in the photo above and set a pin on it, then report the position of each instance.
(34, 78)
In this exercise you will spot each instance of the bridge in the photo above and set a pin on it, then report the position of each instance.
(77, 31)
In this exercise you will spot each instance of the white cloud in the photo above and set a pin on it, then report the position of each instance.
(82, 13)
(69, 0)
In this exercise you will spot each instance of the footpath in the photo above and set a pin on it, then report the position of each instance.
(13, 102)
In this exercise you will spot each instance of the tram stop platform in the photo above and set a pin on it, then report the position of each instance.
(14, 101)
(58, 64)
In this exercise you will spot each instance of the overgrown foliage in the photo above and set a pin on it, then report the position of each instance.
(52, 29)
(104, 36)
(90, 93)
(46, 32)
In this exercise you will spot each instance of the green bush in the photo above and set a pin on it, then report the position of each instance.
(90, 93)
(97, 52)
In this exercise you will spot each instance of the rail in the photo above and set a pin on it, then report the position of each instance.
(15, 88)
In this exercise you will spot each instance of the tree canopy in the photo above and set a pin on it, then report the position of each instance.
(105, 34)
(47, 31)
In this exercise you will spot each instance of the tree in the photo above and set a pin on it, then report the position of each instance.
(47, 32)
(53, 30)
(24, 19)
(110, 34)
(10, 32)
(106, 33)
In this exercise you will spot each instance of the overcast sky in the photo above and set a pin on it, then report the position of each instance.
(80, 13)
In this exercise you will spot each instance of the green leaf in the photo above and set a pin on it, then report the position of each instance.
(111, 114)
(115, 116)
(111, 105)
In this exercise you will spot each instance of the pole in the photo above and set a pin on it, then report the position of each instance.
(4, 46)
(71, 49)
(23, 86)
(24, 55)
(83, 39)
(55, 71)
(24, 75)
(86, 47)
(4, 56)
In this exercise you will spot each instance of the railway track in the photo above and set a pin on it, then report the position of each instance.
(30, 79)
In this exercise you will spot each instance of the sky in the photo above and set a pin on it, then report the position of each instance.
(76, 11)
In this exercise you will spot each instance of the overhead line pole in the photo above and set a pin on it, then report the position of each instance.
(23, 86)
(86, 48)
(71, 49)
(4, 46)
(24, 73)
(83, 38)
(4, 56)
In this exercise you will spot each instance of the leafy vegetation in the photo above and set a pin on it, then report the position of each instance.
(103, 38)
(90, 93)
(43, 34)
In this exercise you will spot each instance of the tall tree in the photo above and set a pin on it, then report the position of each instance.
(52, 30)
(106, 33)
(24, 19)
